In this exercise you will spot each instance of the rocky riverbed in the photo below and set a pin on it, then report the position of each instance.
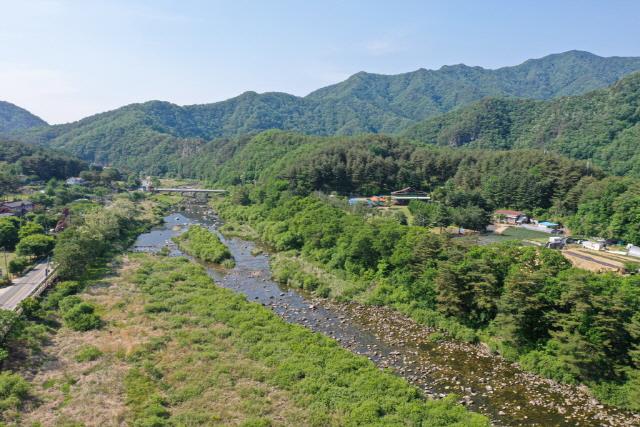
(486, 383)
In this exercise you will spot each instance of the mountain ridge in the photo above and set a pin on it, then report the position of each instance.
(363, 103)
(602, 125)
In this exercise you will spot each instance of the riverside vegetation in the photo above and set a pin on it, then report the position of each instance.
(526, 302)
(204, 245)
(165, 346)
(175, 349)
(81, 251)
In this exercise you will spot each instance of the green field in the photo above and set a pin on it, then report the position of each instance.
(512, 233)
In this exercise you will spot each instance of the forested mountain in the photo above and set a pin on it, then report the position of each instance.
(18, 158)
(603, 125)
(139, 135)
(42, 162)
(425, 93)
(14, 118)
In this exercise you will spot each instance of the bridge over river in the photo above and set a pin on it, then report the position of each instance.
(194, 192)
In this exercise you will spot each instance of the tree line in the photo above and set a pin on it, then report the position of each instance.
(528, 302)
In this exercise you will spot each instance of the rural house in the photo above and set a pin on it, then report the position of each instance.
(595, 245)
(507, 216)
(76, 180)
(404, 196)
(18, 208)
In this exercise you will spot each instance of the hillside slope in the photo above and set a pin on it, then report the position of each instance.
(140, 135)
(603, 125)
(14, 118)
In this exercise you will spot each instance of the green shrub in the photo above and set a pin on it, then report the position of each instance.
(69, 302)
(547, 365)
(60, 291)
(13, 391)
(156, 307)
(18, 265)
(88, 353)
(81, 316)
(31, 307)
(228, 263)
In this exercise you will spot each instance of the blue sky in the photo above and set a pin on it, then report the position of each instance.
(64, 60)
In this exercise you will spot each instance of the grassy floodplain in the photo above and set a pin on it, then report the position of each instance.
(323, 383)
(178, 350)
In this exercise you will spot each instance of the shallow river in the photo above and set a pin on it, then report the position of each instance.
(486, 383)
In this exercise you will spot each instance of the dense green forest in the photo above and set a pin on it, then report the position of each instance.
(603, 125)
(546, 185)
(14, 118)
(144, 136)
(17, 158)
(526, 302)
(469, 183)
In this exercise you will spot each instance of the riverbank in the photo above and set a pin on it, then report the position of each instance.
(542, 401)
(176, 350)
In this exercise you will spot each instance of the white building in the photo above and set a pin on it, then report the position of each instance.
(594, 245)
(633, 250)
(75, 180)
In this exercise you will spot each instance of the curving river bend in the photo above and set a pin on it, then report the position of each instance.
(486, 383)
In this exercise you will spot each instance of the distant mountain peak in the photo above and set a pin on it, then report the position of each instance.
(365, 102)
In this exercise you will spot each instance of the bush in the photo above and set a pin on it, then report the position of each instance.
(67, 303)
(18, 265)
(228, 263)
(79, 315)
(31, 308)
(88, 353)
(13, 391)
(60, 291)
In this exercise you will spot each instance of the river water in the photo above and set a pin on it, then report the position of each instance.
(485, 383)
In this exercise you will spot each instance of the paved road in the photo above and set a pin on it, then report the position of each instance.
(22, 287)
